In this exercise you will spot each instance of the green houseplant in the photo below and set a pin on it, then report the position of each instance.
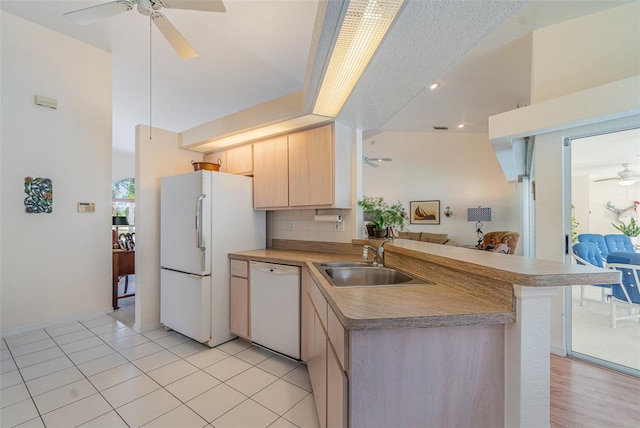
(631, 230)
(382, 215)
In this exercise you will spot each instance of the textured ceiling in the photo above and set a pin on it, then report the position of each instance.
(262, 49)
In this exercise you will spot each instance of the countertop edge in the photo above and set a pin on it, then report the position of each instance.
(306, 259)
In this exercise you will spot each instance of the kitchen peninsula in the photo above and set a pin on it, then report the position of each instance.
(471, 349)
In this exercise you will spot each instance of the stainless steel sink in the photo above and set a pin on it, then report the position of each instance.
(361, 274)
(346, 264)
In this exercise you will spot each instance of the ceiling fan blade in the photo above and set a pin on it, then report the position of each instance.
(97, 13)
(203, 5)
(607, 179)
(173, 36)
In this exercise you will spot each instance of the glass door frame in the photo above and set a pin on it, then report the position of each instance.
(603, 128)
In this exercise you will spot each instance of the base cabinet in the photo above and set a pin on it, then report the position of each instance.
(239, 299)
(408, 377)
(336, 391)
(328, 378)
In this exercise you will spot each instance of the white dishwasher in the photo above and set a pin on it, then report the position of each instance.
(275, 307)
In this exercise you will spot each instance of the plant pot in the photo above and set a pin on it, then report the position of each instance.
(371, 231)
(381, 233)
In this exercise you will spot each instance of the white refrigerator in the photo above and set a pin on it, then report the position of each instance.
(204, 215)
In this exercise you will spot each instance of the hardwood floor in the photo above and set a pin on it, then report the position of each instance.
(585, 395)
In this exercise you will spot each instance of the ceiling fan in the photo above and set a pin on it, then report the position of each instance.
(374, 162)
(150, 8)
(625, 177)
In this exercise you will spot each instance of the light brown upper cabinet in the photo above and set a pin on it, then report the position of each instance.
(219, 156)
(317, 167)
(271, 173)
(236, 160)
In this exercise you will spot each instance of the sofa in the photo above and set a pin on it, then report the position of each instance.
(434, 238)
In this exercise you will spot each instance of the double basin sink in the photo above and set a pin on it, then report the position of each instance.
(365, 274)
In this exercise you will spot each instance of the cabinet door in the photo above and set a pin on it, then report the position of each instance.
(306, 317)
(220, 156)
(270, 174)
(336, 391)
(239, 296)
(317, 367)
(311, 167)
(240, 160)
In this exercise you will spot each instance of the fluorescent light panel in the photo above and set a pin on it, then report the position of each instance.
(365, 24)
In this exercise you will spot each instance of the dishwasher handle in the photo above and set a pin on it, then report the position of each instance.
(275, 269)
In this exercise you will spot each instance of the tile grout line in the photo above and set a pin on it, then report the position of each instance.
(146, 373)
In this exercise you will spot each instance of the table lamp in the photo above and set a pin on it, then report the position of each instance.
(479, 215)
(117, 221)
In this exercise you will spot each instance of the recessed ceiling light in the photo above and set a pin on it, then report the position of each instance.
(461, 125)
(434, 86)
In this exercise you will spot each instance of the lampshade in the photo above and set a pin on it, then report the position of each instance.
(479, 214)
(119, 220)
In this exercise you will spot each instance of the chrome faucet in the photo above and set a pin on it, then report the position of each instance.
(378, 254)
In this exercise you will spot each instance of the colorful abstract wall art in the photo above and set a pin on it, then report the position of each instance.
(39, 195)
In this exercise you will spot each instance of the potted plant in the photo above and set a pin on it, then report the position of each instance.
(382, 215)
(631, 230)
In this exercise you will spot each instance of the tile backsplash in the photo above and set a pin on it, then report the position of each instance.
(300, 225)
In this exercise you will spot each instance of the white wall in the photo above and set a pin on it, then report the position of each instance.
(459, 170)
(155, 157)
(54, 266)
(123, 166)
(586, 52)
(570, 57)
(594, 216)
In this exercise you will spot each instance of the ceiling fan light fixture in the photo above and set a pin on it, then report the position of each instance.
(627, 181)
(365, 24)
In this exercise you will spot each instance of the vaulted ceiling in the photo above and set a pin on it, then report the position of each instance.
(258, 50)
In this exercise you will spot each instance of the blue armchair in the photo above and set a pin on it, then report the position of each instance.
(587, 253)
(619, 243)
(625, 293)
(598, 240)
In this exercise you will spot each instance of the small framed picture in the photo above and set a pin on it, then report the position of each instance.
(425, 212)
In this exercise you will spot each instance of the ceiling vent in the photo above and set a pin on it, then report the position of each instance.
(441, 128)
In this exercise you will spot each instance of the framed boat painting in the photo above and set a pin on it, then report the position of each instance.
(425, 212)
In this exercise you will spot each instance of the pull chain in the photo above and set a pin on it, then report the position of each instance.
(150, 74)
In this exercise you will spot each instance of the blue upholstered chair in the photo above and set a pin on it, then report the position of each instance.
(587, 253)
(598, 240)
(626, 293)
(619, 243)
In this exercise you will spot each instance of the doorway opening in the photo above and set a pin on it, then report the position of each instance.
(602, 198)
(123, 242)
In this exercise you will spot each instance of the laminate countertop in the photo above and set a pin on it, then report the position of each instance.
(467, 286)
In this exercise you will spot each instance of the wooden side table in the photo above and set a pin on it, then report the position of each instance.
(124, 263)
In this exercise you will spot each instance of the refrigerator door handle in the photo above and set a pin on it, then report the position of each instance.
(199, 230)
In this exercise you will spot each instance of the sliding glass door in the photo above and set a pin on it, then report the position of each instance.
(599, 199)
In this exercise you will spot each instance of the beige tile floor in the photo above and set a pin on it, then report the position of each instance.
(100, 373)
